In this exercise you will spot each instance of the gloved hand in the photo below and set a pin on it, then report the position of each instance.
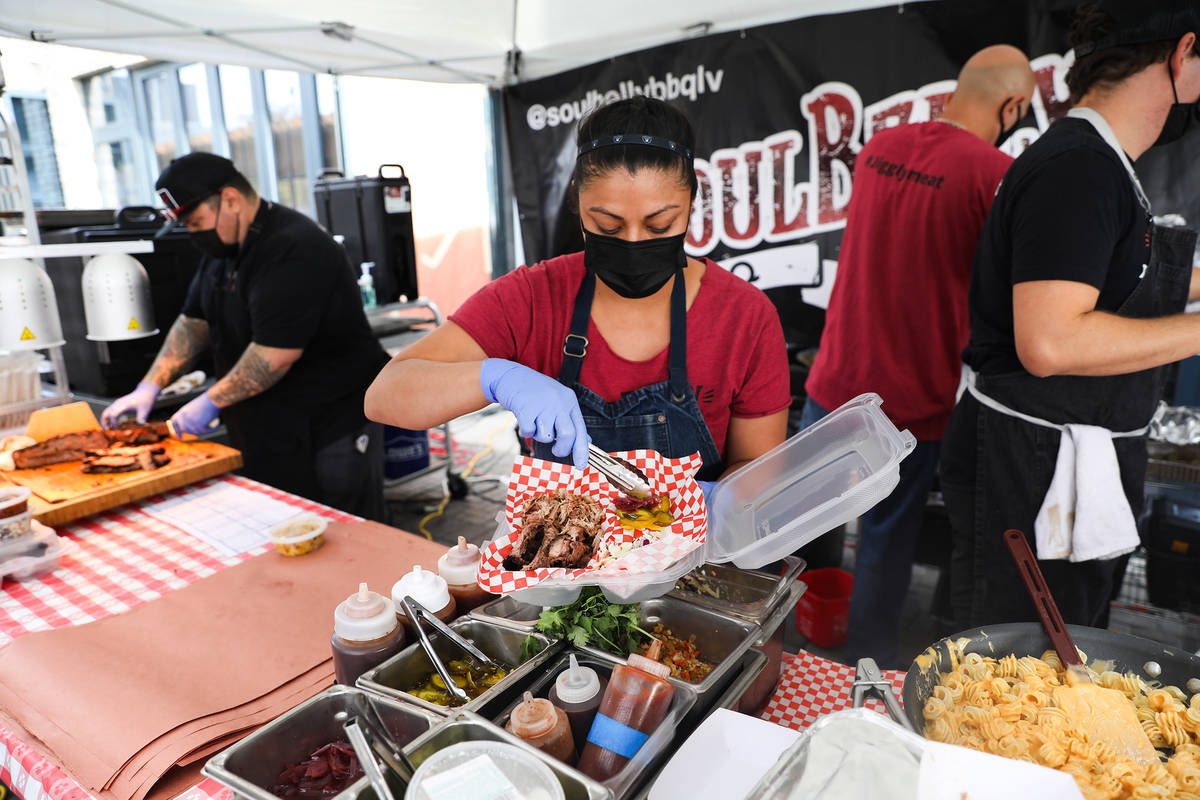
(195, 417)
(707, 487)
(546, 410)
(139, 401)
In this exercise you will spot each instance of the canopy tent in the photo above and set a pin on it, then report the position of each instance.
(495, 42)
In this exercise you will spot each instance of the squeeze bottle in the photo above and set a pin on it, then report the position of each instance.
(365, 634)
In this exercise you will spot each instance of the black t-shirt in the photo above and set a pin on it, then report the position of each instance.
(1066, 210)
(291, 286)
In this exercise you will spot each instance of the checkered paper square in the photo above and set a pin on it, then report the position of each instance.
(674, 477)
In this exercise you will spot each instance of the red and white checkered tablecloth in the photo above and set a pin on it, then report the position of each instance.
(811, 687)
(125, 557)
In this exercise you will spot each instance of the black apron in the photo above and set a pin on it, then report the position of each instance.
(662, 416)
(274, 436)
(1015, 460)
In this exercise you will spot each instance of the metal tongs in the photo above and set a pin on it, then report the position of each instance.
(418, 613)
(868, 680)
(618, 473)
(366, 758)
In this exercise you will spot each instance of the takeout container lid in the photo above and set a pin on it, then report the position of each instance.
(293, 529)
(12, 496)
(529, 776)
(820, 478)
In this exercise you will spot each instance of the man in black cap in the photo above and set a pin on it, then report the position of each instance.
(276, 302)
(1075, 305)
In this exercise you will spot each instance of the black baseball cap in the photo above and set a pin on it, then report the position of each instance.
(1142, 22)
(189, 179)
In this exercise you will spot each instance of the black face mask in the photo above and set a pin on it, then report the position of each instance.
(209, 243)
(1005, 134)
(633, 269)
(1179, 118)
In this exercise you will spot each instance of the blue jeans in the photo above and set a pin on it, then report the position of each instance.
(887, 542)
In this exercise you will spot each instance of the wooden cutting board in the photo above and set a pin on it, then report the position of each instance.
(62, 493)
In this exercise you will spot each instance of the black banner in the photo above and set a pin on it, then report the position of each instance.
(780, 112)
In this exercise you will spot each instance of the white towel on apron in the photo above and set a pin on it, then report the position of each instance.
(1085, 514)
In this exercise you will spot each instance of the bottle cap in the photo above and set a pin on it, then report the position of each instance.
(460, 563)
(577, 684)
(425, 586)
(649, 662)
(534, 717)
(363, 616)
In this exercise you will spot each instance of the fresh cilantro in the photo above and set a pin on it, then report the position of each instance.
(592, 620)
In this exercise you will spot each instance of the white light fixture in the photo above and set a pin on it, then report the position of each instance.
(28, 310)
(116, 299)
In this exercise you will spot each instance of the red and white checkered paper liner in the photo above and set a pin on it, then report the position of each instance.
(674, 477)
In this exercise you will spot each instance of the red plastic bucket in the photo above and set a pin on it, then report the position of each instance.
(823, 610)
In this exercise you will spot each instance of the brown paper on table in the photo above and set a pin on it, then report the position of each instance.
(168, 750)
(98, 694)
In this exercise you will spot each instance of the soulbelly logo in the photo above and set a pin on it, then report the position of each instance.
(690, 85)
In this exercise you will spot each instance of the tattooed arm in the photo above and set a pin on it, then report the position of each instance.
(187, 339)
(259, 368)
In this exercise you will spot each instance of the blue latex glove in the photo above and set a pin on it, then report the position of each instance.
(139, 401)
(707, 487)
(196, 416)
(546, 410)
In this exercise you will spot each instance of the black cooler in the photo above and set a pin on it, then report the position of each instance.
(373, 215)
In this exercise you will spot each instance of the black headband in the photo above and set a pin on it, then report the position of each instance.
(661, 142)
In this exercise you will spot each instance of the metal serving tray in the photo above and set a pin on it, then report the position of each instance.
(653, 751)
(251, 766)
(507, 611)
(721, 639)
(464, 726)
(748, 594)
(503, 643)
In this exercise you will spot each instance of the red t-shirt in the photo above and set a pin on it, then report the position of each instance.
(737, 360)
(897, 320)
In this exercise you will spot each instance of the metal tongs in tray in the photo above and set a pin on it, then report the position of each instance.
(418, 613)
(621, 475)
(869, 680)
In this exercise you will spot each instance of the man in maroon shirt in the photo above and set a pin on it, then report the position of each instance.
(897, 318)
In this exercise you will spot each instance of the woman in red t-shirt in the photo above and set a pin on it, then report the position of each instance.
(612, 324)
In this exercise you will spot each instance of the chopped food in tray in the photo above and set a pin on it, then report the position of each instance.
(329, 770)
(470, 679)
(594, 621)
(681, 655)
(558, 529)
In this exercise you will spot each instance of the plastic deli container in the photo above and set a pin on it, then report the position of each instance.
(14, 500)
(823, 477)
(33, 555)
(505, 769)
(299, 535)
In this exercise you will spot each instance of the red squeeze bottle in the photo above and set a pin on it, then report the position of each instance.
(635, 702)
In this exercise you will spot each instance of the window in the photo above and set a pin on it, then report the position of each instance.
(37, 141)
(327, 119)
(118, 176)
(197, 107)
(287, 139)
(160, 110)
(238, 104)
(100, 97)
(108, 100)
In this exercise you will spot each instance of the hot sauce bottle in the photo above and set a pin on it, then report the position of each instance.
(635, 702)
(543, 725)
(365, 634)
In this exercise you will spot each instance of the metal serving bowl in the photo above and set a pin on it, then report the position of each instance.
(407, 668)
(251, 766)
(721, 640)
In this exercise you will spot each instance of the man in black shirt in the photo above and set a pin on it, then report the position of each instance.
(276, 302)
(1074, 306)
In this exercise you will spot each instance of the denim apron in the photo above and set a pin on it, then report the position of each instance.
(662, 416)
(1015, 458)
